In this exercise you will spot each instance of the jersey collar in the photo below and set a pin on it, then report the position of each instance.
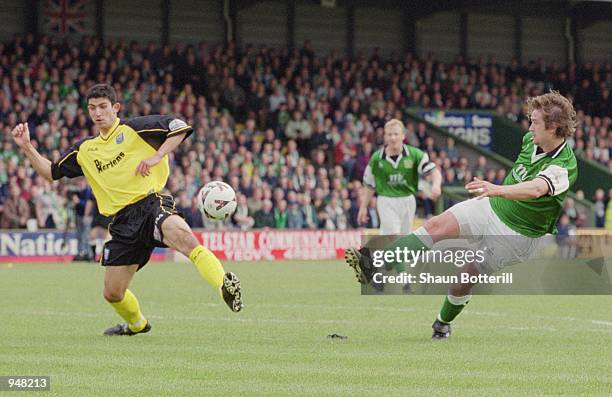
(395, 163)
(539, 153)
(112, 130)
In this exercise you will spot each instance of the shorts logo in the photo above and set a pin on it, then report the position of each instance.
(106, 253)
(177, 124)
(119, 138)
(157, 230)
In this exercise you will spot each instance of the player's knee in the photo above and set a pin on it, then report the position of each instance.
(434, 225)
(113, 294)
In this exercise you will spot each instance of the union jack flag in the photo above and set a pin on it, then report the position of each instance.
(67, 16)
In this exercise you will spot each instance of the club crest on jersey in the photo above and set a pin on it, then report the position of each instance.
(119, 138)
(408, 163)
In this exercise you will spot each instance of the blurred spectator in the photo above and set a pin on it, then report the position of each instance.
(16, 211)
(48, 204)
(193, 216)
(564, 238)
(280, 215)
(600, 208)
(569, 209)
(295, 216)
(450, 149)
(309, 212)
(241, 217)
(264, 217)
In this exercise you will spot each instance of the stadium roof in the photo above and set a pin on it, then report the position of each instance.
(586, 12)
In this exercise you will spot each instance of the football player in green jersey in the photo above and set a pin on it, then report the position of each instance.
(510, 217)
(393, 173)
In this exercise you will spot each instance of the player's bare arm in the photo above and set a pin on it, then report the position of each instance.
(21, 135)
(144, 168)
(520, 191)
(366, 196)
(436, 189)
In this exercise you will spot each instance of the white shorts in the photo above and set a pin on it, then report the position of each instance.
(396, 214)
(502, 246)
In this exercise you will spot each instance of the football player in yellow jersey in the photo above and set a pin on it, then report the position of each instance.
(127, 166)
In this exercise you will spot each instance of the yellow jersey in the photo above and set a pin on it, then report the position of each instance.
(109, 163)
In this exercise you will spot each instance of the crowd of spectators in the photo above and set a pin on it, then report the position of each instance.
(292, 132)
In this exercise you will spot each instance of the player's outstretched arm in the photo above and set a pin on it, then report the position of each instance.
(21, 136)
(520, 191)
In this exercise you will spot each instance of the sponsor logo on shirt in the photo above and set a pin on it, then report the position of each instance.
(100, 166)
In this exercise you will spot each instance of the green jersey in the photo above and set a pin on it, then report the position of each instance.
(399, 176)
(536, 217)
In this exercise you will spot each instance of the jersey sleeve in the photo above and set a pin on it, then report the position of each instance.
(67, 165)
(368, 174)
(368, 177)
(155, 129)
(425, 165)
(556, 178)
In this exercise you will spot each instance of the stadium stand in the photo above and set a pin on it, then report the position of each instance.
(289, 130)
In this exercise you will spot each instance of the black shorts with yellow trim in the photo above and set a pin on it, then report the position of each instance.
(136, 231)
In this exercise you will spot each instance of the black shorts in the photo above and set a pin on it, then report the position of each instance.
(101, 221)
(136, 230)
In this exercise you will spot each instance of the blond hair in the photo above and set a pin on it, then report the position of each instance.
(557, 111)
(395, 122)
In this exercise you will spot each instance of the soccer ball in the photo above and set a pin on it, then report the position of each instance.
(217, 201)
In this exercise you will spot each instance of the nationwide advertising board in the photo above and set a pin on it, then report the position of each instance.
(53, 246)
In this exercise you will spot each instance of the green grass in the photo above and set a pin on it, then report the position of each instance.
(52, 317)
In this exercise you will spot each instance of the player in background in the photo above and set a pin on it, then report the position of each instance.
(393, 173)
(127, 166)
(509, 218)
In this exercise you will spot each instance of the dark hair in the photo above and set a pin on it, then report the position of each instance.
(102, 91)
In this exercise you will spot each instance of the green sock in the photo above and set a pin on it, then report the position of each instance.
(412, 242)
(453, 305)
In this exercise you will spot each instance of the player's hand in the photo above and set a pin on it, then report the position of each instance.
(21, 134)
(483, 188)
(362, 216)
(144, 168)
(436, 191)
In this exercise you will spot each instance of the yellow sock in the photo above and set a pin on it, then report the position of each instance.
(208, 265)
(129, 310)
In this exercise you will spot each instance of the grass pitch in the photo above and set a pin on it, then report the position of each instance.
(52, 318)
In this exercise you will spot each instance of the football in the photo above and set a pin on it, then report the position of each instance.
(217, 200)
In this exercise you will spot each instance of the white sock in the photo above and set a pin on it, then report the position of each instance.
(424, 236)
